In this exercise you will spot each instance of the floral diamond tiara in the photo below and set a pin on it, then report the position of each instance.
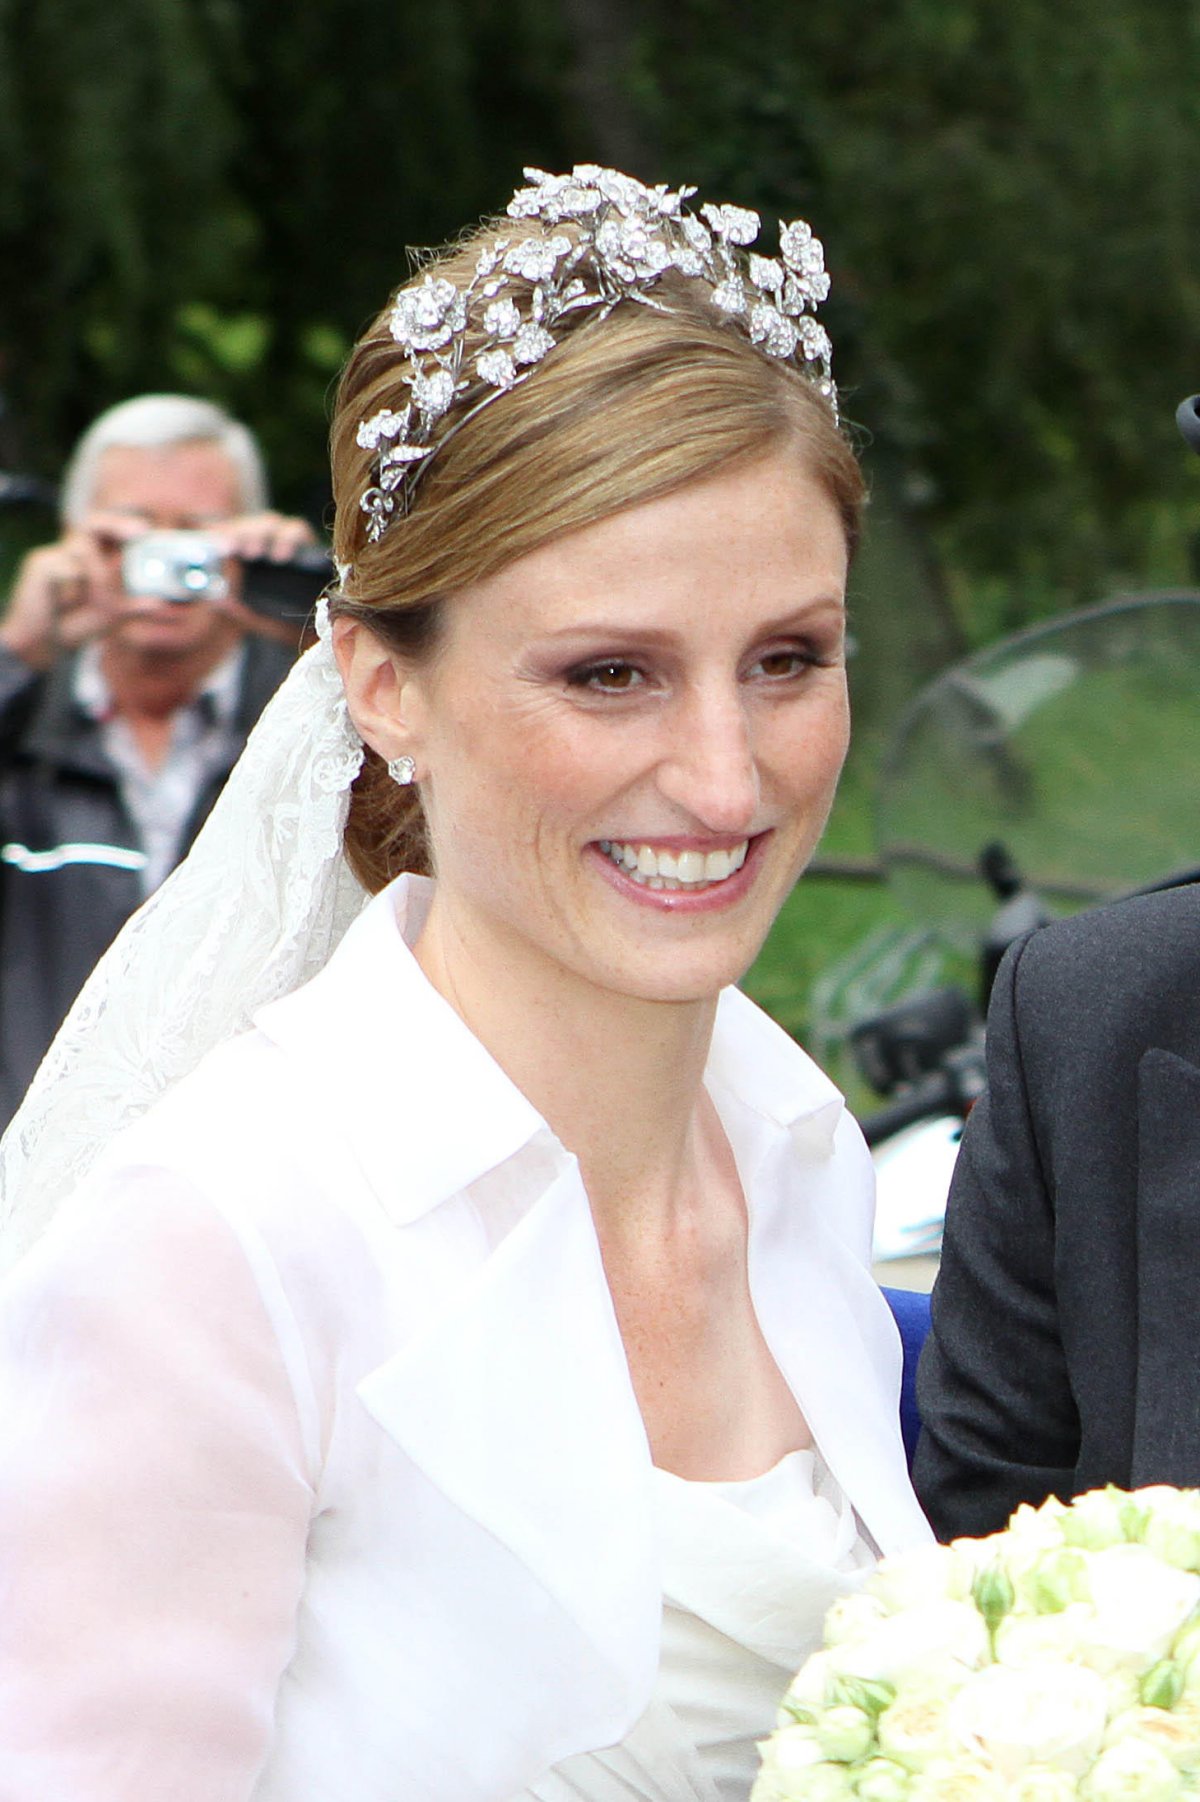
(624, 237)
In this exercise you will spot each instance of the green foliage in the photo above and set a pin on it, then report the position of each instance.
(215, 195)
(1011, 198)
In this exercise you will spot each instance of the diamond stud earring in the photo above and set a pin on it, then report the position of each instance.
(402, 770)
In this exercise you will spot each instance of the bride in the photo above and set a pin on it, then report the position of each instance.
(460, 1378)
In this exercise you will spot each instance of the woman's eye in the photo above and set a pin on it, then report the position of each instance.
(610, 677)
(778, 665)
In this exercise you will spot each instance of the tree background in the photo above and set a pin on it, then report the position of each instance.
(216, 194)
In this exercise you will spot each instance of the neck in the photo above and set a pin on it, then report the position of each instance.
(618, 1079)
(152, 684)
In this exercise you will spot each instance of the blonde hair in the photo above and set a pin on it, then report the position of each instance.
(628, 407)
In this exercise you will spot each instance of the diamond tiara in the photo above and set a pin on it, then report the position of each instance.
(623, 238)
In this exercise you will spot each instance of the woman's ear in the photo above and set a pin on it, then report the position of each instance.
(381, 690)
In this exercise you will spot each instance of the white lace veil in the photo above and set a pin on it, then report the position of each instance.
(253, 911)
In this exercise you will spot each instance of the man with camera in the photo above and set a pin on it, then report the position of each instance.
(131, 673)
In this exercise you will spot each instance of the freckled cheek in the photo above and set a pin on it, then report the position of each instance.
(807, 755)
(552, 771)
(515, 785)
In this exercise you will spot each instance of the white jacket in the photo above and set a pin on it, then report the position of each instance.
(321, 1474)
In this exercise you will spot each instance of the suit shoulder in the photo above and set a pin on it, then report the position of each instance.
(1105, 982)
(1146, 939)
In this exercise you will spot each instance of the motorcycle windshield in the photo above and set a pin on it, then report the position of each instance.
(1075, 746)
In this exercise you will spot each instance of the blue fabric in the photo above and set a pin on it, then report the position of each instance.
(911, 1311)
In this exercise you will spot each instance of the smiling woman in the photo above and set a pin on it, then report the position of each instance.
(468, 1385)
(669, 680)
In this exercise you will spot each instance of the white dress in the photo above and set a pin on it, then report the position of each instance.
(749, 1570)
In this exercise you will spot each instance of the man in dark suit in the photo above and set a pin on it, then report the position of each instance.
(1065, 1350)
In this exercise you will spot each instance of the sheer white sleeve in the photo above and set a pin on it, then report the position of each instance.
(155, 1501)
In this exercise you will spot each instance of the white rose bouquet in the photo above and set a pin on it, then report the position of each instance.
(1057, 1660)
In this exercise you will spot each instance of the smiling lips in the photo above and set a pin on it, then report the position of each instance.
(681, 870)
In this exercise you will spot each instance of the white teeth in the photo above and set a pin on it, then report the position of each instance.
(671, 869)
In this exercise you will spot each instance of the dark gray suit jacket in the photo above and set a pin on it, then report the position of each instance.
(1065, 1350)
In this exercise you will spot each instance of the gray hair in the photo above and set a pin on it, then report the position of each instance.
(155, 422)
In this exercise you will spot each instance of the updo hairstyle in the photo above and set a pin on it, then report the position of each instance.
(627, 407)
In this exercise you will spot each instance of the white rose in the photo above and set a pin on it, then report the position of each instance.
(787, 1757)
(845, 1733)
(1123, 1691)
(1040, 1714)
(1095, 1521)
(912, 1730)
(880, 1780)
(1024, 1639)
(1153, 1496)
(1139, 1603)
(958, 1780)
(923, 1575)
(1175, 1731)
(1034, 1529)
(1053, 1580)
(852, 1617)
(827, 1783)
(810, 1687)
(941, 1635)
(1042, 1783)
(1173, 1527)
(1132, 1771)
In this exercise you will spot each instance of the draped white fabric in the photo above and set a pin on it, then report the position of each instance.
(749, 1571)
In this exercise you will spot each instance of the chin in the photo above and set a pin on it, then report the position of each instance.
(686, 980)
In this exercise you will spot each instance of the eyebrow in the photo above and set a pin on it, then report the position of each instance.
(629, 630)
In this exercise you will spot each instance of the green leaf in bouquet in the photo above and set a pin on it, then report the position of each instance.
(1162, 1684)
(870, 1694)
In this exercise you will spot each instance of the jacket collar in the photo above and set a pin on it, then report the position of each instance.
(371, 997)
(347, 1021)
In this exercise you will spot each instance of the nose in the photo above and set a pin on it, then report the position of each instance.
(710, 769)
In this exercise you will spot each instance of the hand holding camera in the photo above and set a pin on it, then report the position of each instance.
(264, 569)
(192, 566)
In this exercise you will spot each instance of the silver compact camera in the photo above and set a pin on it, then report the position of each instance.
(175, 566)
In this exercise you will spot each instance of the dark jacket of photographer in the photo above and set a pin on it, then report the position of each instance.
(69, 850)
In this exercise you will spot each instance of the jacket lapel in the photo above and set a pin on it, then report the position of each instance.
(561, 1480)
(1166, 1438)
(808, 1182)
(833, 1337)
